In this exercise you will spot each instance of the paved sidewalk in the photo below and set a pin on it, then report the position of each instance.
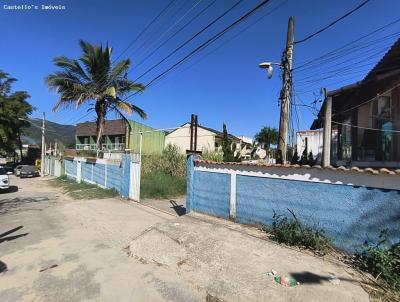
(53, 248)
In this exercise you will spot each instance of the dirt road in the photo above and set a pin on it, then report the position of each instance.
(53, 248)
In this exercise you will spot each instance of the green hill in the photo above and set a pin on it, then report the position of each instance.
(64, 134)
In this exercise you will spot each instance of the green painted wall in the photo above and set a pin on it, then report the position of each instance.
(153, 142)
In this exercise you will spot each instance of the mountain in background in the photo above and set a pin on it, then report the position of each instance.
(64, 134)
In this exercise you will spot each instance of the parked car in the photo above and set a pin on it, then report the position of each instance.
(4, 180)
(17, 169)
(29, 171)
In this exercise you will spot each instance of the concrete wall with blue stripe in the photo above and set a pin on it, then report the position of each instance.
(112, 174)
(351, 207)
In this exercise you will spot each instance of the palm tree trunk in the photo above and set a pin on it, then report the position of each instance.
(100, 121)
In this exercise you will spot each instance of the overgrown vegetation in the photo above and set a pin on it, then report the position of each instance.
(163, 175)
(82, 190)
(212, 156)
(292, 231)
(382, 261)
(170, 162)
(158, 184)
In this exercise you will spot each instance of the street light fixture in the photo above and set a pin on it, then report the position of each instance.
(268, 67)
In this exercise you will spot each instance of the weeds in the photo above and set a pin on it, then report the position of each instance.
(382, 261)
(292, 231)
(212, 156)
(82, 190)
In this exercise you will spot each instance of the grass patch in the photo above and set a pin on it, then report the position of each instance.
(82, 190)
(292, 231)
(161, 185)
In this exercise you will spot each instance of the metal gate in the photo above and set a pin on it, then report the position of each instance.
(134, 179)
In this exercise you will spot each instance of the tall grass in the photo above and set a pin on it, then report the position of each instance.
(163, 175)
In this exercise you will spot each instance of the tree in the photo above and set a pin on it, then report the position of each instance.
(93, 80)
(14, 110)
(227, 146)
(267, 136)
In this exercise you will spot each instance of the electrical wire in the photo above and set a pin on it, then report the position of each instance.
(145, 29)
(167, 31)
(365, 128)
(237, 35)
(206, 43)
(190, 39)
(332, 23)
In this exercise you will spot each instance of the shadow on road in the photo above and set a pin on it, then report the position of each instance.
(311, 278)
(9, 238)
(11, 189)
(12, 204)
(178, 208)
(3, 267)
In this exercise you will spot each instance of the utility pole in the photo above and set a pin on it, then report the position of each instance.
(286, 93)
(43, 145)
(55, 148)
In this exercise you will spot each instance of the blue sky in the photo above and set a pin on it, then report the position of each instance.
(221, 84)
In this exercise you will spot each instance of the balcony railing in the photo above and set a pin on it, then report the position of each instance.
(113, 147)
(86, 147)
(104, 147)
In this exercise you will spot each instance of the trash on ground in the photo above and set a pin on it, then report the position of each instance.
(334, 280)
(286, 281)
(272, 273)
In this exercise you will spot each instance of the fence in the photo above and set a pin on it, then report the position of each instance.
(351, 206)
(122, 175)
(54, 166)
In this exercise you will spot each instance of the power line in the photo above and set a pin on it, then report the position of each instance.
(146, 28)
(238, 34)
(332, 23)
(190, 39)
(176, 33)
(206, 43)
(366, 128)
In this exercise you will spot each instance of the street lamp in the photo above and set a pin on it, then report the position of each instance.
(268, 67)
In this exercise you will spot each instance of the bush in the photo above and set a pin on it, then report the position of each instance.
(293, 232)
(212, 156)
(170, 162)
(382, 261)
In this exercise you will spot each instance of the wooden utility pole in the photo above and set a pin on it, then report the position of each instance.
(286, 93)
(42, 163)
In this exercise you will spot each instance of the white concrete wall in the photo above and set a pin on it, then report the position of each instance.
(181, 138)
(315, 142)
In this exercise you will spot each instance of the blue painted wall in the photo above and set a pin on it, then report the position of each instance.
(349, 215)
(212, 193)
(118, 176)
(87, 171)
(70, 168)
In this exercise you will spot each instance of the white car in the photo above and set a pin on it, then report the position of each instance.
(4, 180)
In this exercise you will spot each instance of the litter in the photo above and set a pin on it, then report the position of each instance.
(272, 273)
(334, 280)
(286, 281)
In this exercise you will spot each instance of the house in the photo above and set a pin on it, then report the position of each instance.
(310, 140)
(365, 117)
(207, 139)
(119, 136)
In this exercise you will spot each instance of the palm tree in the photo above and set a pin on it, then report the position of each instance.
(92, 79)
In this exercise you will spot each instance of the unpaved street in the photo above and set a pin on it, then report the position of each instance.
(54, 248)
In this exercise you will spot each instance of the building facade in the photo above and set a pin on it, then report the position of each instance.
(120, 136)
(365, 117)
(208, 140)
